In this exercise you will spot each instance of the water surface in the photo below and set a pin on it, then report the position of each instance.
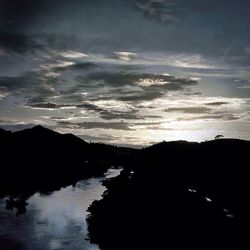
(55, 221)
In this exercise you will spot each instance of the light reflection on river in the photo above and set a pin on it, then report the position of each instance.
(55, 221)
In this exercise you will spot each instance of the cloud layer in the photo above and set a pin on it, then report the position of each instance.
(132, 71)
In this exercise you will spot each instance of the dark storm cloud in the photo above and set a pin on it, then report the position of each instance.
(20, 15)
(20, 43)
(215, 27)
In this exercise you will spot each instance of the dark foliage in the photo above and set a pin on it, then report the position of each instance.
(169, 195)
(177, 195)
(40, 159)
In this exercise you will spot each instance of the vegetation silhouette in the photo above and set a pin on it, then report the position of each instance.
(42, 160)
(177, 195)
(218, 137)
(169, 195)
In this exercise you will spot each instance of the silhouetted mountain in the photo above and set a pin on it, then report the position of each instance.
(39, 159)
(4, 132)
(169, 194)
(177, 195)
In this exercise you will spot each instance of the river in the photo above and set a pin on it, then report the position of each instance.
(53, 222)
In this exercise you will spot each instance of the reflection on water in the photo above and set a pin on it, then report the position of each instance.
(55, 221)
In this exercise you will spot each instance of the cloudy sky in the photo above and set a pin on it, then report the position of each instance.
(126, 71)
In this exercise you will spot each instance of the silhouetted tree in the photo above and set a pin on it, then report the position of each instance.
(218, 137)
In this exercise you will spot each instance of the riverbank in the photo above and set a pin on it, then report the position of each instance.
(54, 221)
(43, 160)
(169, 193)
(177, 194)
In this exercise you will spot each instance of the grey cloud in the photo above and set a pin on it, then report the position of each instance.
(161, 10)
(147, 123)
(110, 79)
(190, 110)
(126, 87)
(130, 67)
(159, 127)
(110, 115)
(193, 93)
(216, 103)
(90, 106)
(105, 27)
(106, 125)
(48, 105)
(100, 138)
(122, 79)
(153, 116)
(96, 125)
(103, 113)
(15, 127)
(204, 113)
(106, 115)
(35, 87)
(218, 117)
(125, 56)
(73, 97)
(30, 82)
(242, 83)
(19, 43)
(126, 115)
(57, 118)
(140, 96)
(77, 66)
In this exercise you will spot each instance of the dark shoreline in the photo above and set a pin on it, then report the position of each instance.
(166, 194)
(177, 194)
(41, 160)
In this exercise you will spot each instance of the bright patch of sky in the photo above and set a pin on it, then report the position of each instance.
(129, 72)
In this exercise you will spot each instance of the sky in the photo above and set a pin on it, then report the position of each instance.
(126, 72)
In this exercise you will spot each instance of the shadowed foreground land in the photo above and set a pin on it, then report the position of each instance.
(172, 195)
(177, 195)
(41, 160)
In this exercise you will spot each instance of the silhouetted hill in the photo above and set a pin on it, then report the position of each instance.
(37, 131)
(3, 132)
(39, 159)
(169, 194)
(177, 195)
